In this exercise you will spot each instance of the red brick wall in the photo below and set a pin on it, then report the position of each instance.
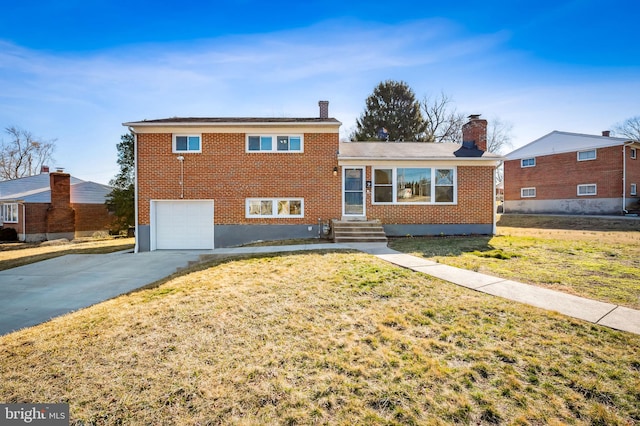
(557, 176)
(633, 170)
(475, 203)
(92, 217)
(224, 172)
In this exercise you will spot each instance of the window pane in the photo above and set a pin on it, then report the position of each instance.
(283, 143)
(181, 143)
(353, 180)
(383, 194)
(194, 143)
(382, 176)
(294, 143)
(254, 143)
(587, 155)
(444, 194)
(265, 143)
(414, 185)
(444, 177)
(254, 207)
(295, 207)
(283, 208)
(266, 207)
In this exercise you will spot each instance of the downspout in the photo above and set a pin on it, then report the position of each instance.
(624, 176)
(495, 205)
(136, 248)
(24, 224)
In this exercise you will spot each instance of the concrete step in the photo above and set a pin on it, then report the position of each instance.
(358, 232)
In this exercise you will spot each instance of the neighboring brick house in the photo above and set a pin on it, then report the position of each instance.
(53, 205)
(216, 182)
(571, 173)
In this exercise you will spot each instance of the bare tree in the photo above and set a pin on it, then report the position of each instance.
(498, 135)
(23, 155)
(630, 128)
(443, 122)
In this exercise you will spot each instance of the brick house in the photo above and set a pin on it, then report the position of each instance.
(571, 173)
(53, 205)
(216, 182)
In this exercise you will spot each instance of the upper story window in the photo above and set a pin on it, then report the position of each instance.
(633, 153)
(588, 189)
(587, 155)
(186, 143)
(9, 213)
(274, 143)
(415, 185)
(528, 162)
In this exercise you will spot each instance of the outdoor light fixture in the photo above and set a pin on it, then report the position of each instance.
(335, 171)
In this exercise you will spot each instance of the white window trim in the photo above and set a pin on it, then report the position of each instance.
(274, 141)
(187, 151)
(595, 155)
(633, 154)
(275, 204)
(530, 165)
(634, 189)
(394, 186)
(522, 190)
(584, 186)
(5, 210)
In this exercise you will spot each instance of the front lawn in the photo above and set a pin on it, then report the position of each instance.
(322, 338)
(570, 255)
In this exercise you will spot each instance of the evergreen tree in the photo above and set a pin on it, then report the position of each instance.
(391, 113)
(121, 199)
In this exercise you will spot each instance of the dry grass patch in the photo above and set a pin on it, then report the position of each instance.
(17, 254)
(322, 338)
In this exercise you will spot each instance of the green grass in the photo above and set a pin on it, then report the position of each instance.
(322, 338)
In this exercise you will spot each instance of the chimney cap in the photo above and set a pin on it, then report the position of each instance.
(474, 116)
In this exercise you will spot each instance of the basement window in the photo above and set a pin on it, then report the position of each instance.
(587, 189)
(527, 192)
(634, 189)
(274, 207)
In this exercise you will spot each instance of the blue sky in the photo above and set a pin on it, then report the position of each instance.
(74, 70)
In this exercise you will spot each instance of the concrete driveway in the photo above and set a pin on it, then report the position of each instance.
(35, 293)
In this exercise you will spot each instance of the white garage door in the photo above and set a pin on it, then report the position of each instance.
(183, 225)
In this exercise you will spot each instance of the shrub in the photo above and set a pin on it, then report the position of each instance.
(8, 234)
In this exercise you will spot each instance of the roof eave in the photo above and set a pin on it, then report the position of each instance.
(232, 123)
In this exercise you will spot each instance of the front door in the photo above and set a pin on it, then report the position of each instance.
(353, 188)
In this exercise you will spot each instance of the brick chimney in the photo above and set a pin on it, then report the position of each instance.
(475, 130)
(44, 169)
(324, 109)
(61, 216)
(606, 133)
